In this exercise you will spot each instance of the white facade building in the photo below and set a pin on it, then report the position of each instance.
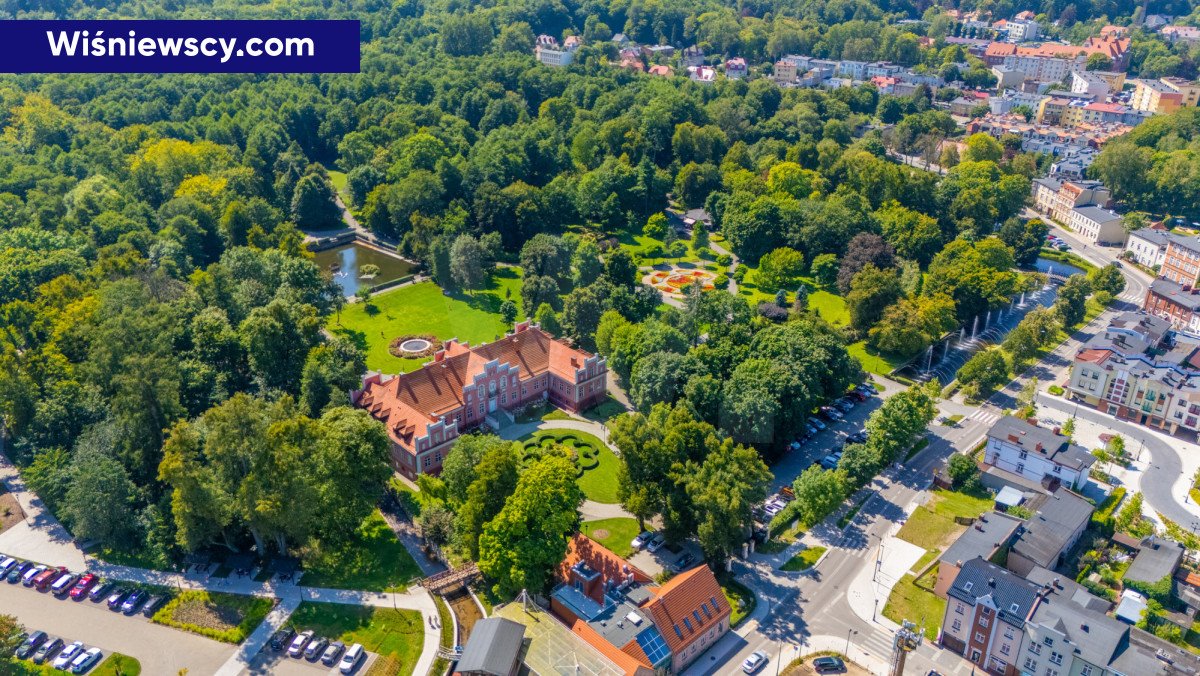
(1147, 246)
(1097, 225)
(1036, 453)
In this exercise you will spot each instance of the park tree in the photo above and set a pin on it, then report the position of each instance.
(1026, 239)
(277, 338)
(912, 234)
(521, 547)
(656, 226)
(459, 469)
(330, 371)
(1071, 304)
(546, 255)
(983, 373)
(436, 524)
(539, 290)
(912, 324)
(508, 312)
(962, 470)
(983, 147)
(547, 319)
(657, 378)
(581, 313)
(1036, 330)
(699, 236)
(99, 503)
(694, 183)
(825, 269)
(780, 269)
(313, 205)
(467, 263)
(792, 180)
(585, 263)
(1108, 279)
(495, 480)
(871, 291)
(864, 249)
(723, 490)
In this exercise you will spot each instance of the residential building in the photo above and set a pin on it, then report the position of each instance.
(1050, 110)
(1071, 162)
(1141, 369)
(493, 649)
(1011, 98)
(963, 105)
(1147, 246)
(1114, 47)
(1036, 453)
(1006, 78)
(660, 70)
(702, 74)
(785, 72)
(1155, 96)
(1097, 225)
(1188, 34)
(1021, 30)
(1188, 89)
(548, 51)
(1181, 264)
(618, 609)
(736, 68)
(656, 51)
(1088, 82)
(621, 41)
(1175, 302)
(1156, 559)
(855, 70)
(1057, 199)
(1060, 516)
(465, 387)
(986, 611)
(692, 56)
(989, 535)
(1156, 21)
(1079, 113)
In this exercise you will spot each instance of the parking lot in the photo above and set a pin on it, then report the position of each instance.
(279, 664)
(161, 650)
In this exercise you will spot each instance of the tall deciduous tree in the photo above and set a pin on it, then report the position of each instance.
(467, 263)
(495, 479)
(723, 490)
(313, 205)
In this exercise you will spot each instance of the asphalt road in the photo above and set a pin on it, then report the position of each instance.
(161, 650)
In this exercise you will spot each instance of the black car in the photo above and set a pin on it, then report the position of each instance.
(14, 575)
(31, 644)
(857, 438)
(828, 665)
(281, 638)
(47, 650)
(683, 562)
(102, 590)
(153, 604)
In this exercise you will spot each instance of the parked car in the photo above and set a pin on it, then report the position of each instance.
(682, 563)
(816, 422)
(31, 644)
(82, 586)
(18, 572)
(116, 598)
(281, 638)
(641, 540)
(332, 653)
(858, 437)
(830, 462)
(844, 405)
(351, 659)
(63, 584)
(754, 662)
(831, 414)
(68, 653)
(858, 396)
(795, 445)
(133, 602)
(101, 591)
(811, 429)
(27, 578)
(296, 649)
(316, 648)
(86, 661)
(7, 564)
(656, 543)
(46, 577)
(47, 650)
(153, 604)
(828, 665)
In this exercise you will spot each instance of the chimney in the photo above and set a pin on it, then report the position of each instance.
(991, 582)
(439, 355)
(1038, 447)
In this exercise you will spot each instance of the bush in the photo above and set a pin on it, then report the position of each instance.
(724, 260)
(721, 281)
(739, 273)
(705, 253)
(773, 312)
(1102, 519)
(1056, 390)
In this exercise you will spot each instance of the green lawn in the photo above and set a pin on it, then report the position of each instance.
(872, 361)
(141, 558)
(118, 665)
(605, 410)
(829, 306)
(338, 179)
(807, 558)
(423, 309)
(615, 534)
(599, 480)
(399, 634)
(374, 561)
(640, 245)
(915, 604)
(740, 598)
(932, 526)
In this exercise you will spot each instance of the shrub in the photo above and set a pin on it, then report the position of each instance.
(705, 253)
(724, 260)
(740, 272)
(1056, 390)
(773, 312)
(250, 611)
(721, 281)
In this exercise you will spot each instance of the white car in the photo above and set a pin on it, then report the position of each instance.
(656, 543)
(754, 662)
(68, 653)
(641, 539)
(6, 564)
(86, 661)
(351, 659)
(298, 643)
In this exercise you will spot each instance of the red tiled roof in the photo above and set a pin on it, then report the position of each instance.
(630, 664)
(687, 596)
(1096, 356)
(600, 559)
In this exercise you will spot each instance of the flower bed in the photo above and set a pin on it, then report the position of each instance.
(414, 346)
(223, 617)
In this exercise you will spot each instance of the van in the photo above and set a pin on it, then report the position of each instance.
(63, 584)
(351, 658)
(47, 576)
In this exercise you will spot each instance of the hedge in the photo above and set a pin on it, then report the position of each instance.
(1102, 519)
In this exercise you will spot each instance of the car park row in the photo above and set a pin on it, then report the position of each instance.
(306, 645)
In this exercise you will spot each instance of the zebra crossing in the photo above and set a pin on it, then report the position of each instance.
(877, 643)
(984, 416)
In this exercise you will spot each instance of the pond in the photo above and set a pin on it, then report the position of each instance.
(344, 263)
(1044, 265)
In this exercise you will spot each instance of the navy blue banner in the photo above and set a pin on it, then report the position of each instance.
(179, 46)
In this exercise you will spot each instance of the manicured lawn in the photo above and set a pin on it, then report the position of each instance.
(399, 634)
(118, 665)
(915, 604)
(872, 361)
(740, 598)
(338, 179)
(136, 559)
(605, 410)
(374, 561)
(423, 309)
(831, 307)
(222, 617)
(932, 526)
(806, 559)
(615, 534)
(640, 245)
(599, 477)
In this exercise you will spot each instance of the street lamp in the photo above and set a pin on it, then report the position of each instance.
(874, 612)
(848, 633)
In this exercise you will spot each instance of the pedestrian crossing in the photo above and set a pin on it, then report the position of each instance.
(984, 416)
(877, 643)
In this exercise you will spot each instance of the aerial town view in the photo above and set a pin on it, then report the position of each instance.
(600, 337)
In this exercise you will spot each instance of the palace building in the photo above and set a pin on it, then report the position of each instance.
(466, 387)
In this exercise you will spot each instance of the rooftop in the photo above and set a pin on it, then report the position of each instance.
(989, 533)
(1097, 214)
(553, 647)
(1157, 558)
(1013, 596)
(1046, 443)
(493, 647)
(1057, 518)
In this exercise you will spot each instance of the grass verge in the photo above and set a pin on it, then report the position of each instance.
(375, 560)
(228, 618)
(396, 635)
(118, 665)
(807, 558)
(741, 599)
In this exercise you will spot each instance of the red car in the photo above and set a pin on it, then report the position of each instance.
(81, 588)
(47, 576)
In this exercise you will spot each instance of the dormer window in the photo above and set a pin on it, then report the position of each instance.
(967, 586)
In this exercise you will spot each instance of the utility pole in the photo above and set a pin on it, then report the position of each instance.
(906, 641)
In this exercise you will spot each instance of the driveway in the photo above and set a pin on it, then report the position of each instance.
(161, 650)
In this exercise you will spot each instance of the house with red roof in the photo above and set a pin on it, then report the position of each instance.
(465, 387)
(643, 627)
